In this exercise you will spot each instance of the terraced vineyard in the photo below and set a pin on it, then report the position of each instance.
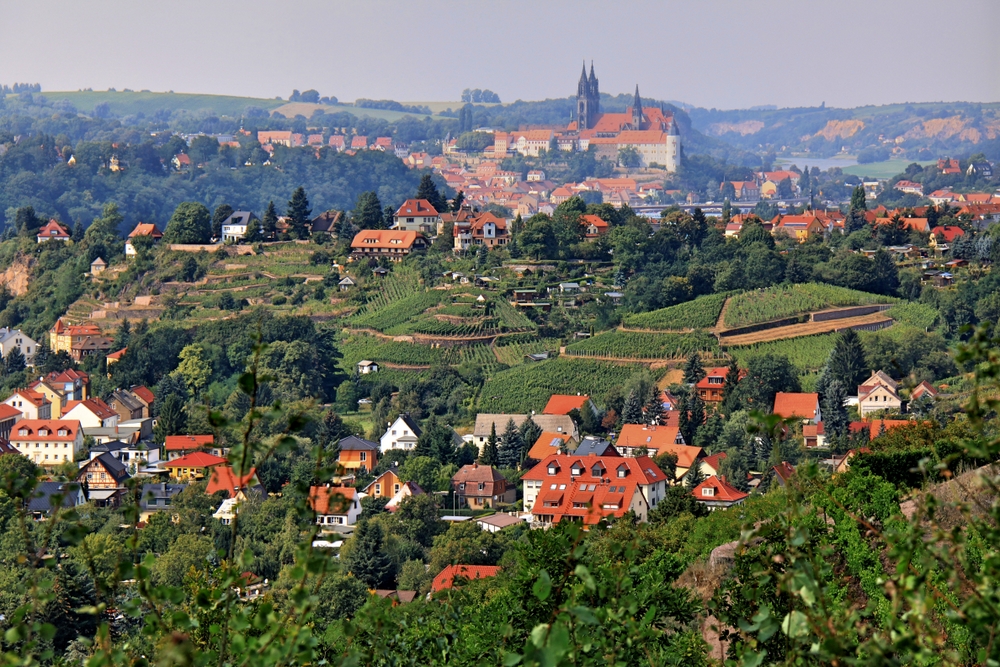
(808, 353)
(915, 314)
(356, 348)
(636, 345)
(528, 386)
(702, 313)
(513, 354)
(787, 300)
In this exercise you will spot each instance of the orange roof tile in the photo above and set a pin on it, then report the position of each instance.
(384, 238)
(181, 443)
(196, 460)
(330, 499)
(794, 404)
(661, 439)
(224, 478)
(724, 491)
(146, 229)
(446, 578)
(415, 207)
(563, 404)
(46, 429)
(547, 443)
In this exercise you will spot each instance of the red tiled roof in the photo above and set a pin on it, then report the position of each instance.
(182, 443)
(543, 446)
(947, 232)
(446, 578)
(97, 407)
(923, 388)
(793, 404)
(53, 226)
(35, 398)
(146, 229)
(46, 429)
(383, 238)
(414, 207)
(224, 478)
(784, 470)
(714, 461)
(563, 404)
(196, 460)
(875, 426)
(661, 438)
(8, 412)
(143, 394)
(724, 491)
(119, 354)
(331, 499)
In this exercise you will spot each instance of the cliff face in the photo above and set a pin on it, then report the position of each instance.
(16, 276)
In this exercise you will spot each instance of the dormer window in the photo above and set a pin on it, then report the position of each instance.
(43, 432)
(597, 470)
(553, 469)
(708, 491)
(63, 432)
(22, 431)
(577, 470)
(622, 470)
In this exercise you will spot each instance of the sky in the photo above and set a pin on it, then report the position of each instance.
(711, 53)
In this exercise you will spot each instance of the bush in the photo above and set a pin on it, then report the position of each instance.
(279, 300)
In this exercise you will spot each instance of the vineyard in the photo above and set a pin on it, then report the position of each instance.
(528, 386)
(915, 314)
(702, 313)
(634, 345)
(513, 354)
(808, 353)
(787, 300)
(357, 347)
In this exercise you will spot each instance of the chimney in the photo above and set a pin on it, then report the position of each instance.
(475, 465)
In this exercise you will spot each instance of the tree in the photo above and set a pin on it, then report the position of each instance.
(835, 419)
(730, 385)
(185, 553)
(858, 201)
(122, 335)
(511, 446)
(194, 368)
(885, 277)
(766, 374)
(847, 361)
(427, 190)
(171, 419)
(14, 361)
(368, 211)
(692, 417)
(254, 233)
(676, 501)
(490, 454)
(693, 369)
(628, 157)
(367, 559)
(420, 469)
(190, 223)
(667, 462)
(298, 214)
(222, 213)
(632, 410)
(694, 475)
(653, 407)
(531, 432)
(735, 468)
(436, 441)
(269, 223)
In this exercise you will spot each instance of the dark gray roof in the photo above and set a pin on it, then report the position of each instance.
(324, 222)
(154, 492)
(41, 500)
(112, 446)
(353, 442)
(239, 218)
(414, 426)
(115, 468)
(126, 399)
(596, 446)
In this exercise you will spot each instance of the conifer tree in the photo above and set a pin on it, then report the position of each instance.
(858, 202)
(221, 214)
(368, 560)
(427, 190)
(654, 407)
(491, 454)
(298, 214)
(834, 413)
(270, 221)
(632, 410)
(253, 233)
(693, 369)
(694, 476)
(847, 362)
(14, 362)
(730, 386)
(510, 447)
(530, 433)
(368, 211)
(122, 335)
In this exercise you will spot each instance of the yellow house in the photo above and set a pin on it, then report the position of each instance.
(61, 335)
(193, 466)
(768, 190)
(799, 227)
(51, 393)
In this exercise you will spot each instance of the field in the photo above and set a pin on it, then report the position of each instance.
(292, 109)
(635, 345)
(915, 314)
(886, 169)
(808, 353)
(528, 386)
(129, 103)
(702, 313)
(784, 301)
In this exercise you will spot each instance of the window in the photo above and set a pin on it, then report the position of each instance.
(461, 486)
(364, 456)
(378, 489)
(552, 469)
(622, 472)
(482, 486)
(562, 487)
(708, 491)
(395, 488)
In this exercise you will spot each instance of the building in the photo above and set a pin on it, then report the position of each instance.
(15, 339)
(878, 393)
(591, 488)
(8, 417)
(126, 405)
(481, 487)
(104, 478)
(357, 454)
(91, 413)
(655, 440)
(53, 231)
(547, 423)
(798, 227)
(98, 266)
(157, 498)
(128, 453)
(392, 244)
(593, 445)
(193, 466)
(30, 403)
(366, 366)
(795, 405)
(596, 227)
(549, 443)
(385, 485)
(51, 495)
(407, 490)
(485, 229)
(223, 479)
(497, 522)
(78, 341)
(401, 434)
(326, 222)
(783, 472)
(416, 215)
(177, 446)
(142, 229)
(335, 505)
(925, 388)
(234, 228)
(710, 387)
(454, 574)
(563, 404)
(48, 442)
(716, 493)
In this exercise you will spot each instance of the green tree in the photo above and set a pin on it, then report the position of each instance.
(835, 419)
(190, 223)
(14, 362)
(885, 277)
(368, 561)
(221, 214)
(730, 386)
(694, 475)
(171, 419)
(531, 432)
(194, 368)
(632, 409)
(490, 455)
(420, 469)
(298, 214)
(847, 361)
(269, 223)
(858, 200)
(628, 157)
(678, 500)
(511, 446)
(368, 211)
(693, 369)
(186, 553)
(538, 239)
(427, 190)
(653, 407)
(339, 598)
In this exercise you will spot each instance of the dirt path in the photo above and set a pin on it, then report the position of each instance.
(806, 329)
(719, 326)
(405, 367)
(656, 331)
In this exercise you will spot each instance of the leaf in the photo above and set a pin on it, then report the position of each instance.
(538, 634)
(795, 624)
(585, 576)
(542, 587)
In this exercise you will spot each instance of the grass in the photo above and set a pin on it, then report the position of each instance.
(886, 169)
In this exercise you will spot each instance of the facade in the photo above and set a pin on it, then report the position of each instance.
(31, 404)
(335, 505)
(587, 489)
(560, 424)
(53, 231)
(357, 454)
(15, 339)
(416, 215)
(385, 485)
(103, 472)
(91, 413)
(48, 442)
(234, 228)
(392, 244)
(655, 440)
(796, 405)
(193, 466)
(481, 487)
(878, 393)
(401, 434)
(366, 366)
(177, 446)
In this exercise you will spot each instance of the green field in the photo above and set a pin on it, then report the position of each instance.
(702, 313)
(787, 300)
(528, 386)
(635, 345)
(886, 169)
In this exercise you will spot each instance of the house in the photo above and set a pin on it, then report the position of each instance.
(948, 166)
(799, 227)
(234, 228)
(548, 423)
(485, 229)
(32, 404)
(595, 226)
(181, 162)
(281, 137)
(72, 385)
(48, 496)
(326, 222)
(142, 229)
(104, 479)
(563, 404)
(656, 439)
(549, 443)
(591, 488)
(335, 505)
(716, 493)
(393, 244)
(710, 465)
(223, 479)
(925, 388)
(91, 413)
(944, 234)
(814, 435)
(8, 417)
(15, 339)
(385, 485)
(407, 490)
(497, 522)
(401, 434)
(797, 405)
(783, 472)
(177, 446)
(357, 454)
(193, 466)
(454, 574)
(98, 266)
(53, 231)
(593, 445)
(710, 387)
(980, 168)
(48, 442)
(345, 284)
(416, 215)
(366, 366)
(128, 453)
(157, 498)
(878, 393)
(876, 427)
(909, 187)
(138, 401)
(481, 487)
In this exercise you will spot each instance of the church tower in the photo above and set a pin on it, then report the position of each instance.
(637, 110)
(588, 99)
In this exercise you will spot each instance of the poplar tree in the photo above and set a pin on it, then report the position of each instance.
(270, 221)
(298, 214)
(491, 453)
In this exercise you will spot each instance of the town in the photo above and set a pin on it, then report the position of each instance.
(604, 377)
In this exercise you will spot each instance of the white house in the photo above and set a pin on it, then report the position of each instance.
(234, 228)
(32, 404)
(366, 366)
(401, 434)
(15, 338)
(335, 505)
(416, 215)
(48, 442)
(91, 413)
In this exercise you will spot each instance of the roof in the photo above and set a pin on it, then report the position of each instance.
(71, 375)
(595, 446)
(499, 520)
(41, 499)
(196, 460)
(947, 232)
(590, 219)
(35, 398)
(8, 412)
(724, 491)
(326, 500)
(391, 471)
(716, 372)
(446, 578)
(127, 399)
(353, 442)
(111, 446)
(416, 207)
(153, 492)
(53, 230)
(641, 468)
(95, 406)
(183, 443)
(384, 238)
(714, 461)
(921, 389)
(146, 229)
(224, 478)
(795, 404)
(877, 426)
(660, 438)
(475, 473)
(117, 469)
(143, 394)
(548, 443)
(47, 429)
(555, 423)
(99, 262)
(784, 470)
(406, 490)
(562, 404)
(116, 356)
(413, 425)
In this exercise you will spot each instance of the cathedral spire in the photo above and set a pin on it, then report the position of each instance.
(637, 110)
(581, 88)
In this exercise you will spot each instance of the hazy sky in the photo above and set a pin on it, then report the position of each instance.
(712, 53)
